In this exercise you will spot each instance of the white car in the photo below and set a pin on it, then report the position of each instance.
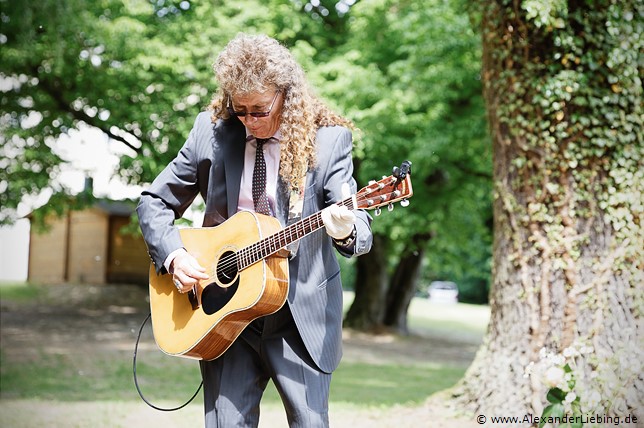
(443, 292)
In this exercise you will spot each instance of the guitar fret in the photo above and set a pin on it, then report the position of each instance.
(257, 251)
(241, 258)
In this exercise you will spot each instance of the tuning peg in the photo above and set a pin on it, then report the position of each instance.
(404, 202)
(377, 212)
(390, 207)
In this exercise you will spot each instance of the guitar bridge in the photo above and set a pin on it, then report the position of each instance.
(193, 299)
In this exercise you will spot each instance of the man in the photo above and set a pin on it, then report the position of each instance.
(265, 122)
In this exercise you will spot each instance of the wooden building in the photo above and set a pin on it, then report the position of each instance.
(89, 246)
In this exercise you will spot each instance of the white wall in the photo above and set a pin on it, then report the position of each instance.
(14, 251)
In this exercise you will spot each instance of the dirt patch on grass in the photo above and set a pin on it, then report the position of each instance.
(86, 321)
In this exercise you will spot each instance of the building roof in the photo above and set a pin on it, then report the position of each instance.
(123, 207)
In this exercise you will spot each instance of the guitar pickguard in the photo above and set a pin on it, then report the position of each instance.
(214, 297)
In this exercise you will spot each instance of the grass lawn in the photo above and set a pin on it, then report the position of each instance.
(86, 366)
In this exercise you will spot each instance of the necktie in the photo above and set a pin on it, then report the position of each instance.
(260, 199)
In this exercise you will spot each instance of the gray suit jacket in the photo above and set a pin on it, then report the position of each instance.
(210, 163)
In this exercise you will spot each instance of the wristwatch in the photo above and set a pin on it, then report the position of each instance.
(348, 240)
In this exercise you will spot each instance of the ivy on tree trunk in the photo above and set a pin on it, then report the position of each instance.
(563, 93)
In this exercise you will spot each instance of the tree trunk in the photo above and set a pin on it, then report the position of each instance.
(565, 116)
(367, 308)
(403, 285)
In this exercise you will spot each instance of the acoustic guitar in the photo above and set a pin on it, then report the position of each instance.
(247, 263)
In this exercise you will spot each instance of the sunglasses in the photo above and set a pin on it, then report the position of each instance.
(254, 113)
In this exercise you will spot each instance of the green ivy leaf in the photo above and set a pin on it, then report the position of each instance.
(555, 410)
(556, 395)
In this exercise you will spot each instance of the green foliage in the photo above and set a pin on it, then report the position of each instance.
(409, 76)
(406, 72)
(137, 70)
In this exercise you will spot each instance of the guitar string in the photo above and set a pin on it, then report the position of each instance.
(255, 252)
(268, 243)
(257, 249)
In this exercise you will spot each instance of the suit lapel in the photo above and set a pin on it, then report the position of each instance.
(233, 163)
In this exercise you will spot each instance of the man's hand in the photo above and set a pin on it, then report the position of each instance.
(186, 271)
(339, 221)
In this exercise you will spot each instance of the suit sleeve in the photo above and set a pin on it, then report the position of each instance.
(168, 197)
(339, 170)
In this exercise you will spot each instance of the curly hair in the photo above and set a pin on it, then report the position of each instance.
(252, 64)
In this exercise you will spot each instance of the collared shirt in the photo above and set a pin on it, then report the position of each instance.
(272, 158)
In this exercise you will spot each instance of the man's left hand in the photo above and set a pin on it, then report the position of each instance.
(339, 221)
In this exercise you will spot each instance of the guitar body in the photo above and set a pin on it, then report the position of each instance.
(205, 324)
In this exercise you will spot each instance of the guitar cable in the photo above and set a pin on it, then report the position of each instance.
(136, 382)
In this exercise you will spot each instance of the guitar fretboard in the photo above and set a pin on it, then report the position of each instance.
(270, 245)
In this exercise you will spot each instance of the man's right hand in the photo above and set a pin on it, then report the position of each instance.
(186, 271)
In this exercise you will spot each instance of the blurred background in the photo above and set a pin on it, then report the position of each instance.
(98, 97)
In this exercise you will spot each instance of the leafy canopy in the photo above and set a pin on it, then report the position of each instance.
(406, 72)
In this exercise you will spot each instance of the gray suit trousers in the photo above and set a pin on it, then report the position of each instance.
(269, 348)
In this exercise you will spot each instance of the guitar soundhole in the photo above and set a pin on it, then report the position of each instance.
(227, 268)
(216, 294)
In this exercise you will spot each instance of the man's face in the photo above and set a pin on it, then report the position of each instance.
(267, 102)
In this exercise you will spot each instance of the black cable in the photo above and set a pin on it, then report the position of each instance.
(136, 382)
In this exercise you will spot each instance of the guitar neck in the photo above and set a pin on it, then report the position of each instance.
(396, 187)
(270, 245)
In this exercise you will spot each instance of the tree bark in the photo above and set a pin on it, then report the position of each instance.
(568, 213)
(367, 309)
(403, 285)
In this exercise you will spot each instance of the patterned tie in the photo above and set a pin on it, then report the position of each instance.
(260, 199)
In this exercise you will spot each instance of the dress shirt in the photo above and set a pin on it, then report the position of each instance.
(272, 158)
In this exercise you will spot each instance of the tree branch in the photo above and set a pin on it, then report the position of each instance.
(63, 105)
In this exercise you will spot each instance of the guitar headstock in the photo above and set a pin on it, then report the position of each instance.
(396, 187)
